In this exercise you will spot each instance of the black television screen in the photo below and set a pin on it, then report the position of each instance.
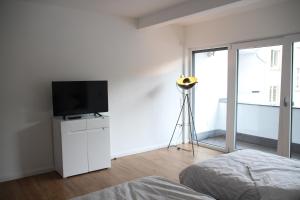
(79, 97)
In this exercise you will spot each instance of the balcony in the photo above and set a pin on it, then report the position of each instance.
(252, 129)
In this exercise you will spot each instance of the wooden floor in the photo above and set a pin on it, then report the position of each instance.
(162, 162)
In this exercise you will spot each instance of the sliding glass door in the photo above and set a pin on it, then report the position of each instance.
(267, 96)
(210, 95)
(258, 97)
(295, 136)
(248, 96)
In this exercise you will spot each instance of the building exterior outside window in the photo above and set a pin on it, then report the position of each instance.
(260, 76)
(275, 59)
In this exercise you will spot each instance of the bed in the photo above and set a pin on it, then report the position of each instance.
(245, 175)
(146, 188)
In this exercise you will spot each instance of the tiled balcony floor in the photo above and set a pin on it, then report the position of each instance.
(220, 142)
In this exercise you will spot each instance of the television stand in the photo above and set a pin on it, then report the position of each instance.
(81, 145)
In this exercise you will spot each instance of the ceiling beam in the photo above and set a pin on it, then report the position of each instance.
(181, 10)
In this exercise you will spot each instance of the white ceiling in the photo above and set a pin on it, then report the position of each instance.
(124, 8)
(144, 8)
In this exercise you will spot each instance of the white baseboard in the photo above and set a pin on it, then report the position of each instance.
(18, 175)
(138, 150)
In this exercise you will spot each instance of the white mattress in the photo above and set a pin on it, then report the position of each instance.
(245, 174)
(147, 188)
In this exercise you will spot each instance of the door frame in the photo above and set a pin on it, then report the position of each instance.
(285, 140)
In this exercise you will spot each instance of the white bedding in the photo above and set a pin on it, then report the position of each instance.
(245, 174)
(147, 188)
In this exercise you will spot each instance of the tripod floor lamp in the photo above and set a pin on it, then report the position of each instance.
(186, 83)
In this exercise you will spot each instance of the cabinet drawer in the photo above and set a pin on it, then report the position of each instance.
(96, 123)
(74, 125)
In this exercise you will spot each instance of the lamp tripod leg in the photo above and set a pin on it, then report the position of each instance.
(177, 120)
(190, 125)
(190, 111)
(191, 134)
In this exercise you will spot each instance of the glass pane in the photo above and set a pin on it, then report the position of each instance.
(211, 96)
(295, 146)
(259, 77)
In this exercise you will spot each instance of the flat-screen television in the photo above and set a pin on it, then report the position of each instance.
(79, 97)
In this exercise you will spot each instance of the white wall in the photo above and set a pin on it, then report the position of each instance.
(42, 42)
(278, 19)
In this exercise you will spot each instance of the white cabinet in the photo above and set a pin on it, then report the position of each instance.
(81, 145)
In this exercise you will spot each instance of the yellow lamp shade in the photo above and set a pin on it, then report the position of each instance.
(186, 82)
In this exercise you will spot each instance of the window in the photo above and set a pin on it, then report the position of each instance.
(273, 95)
(275, 54)
(297, 79)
